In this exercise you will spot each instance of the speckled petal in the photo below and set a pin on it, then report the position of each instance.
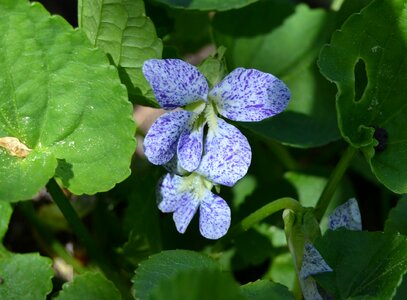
(214, 216)
(190, 146)
(250, 95)
(227, 155)
(187, 208)
(168, 197)
(346, 215)
(175, 83)
(160, 143)
(312, 262)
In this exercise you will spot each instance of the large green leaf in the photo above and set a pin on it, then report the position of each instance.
(365, 264)
(266, 290)
(206, 284)
(206, 4)
(371, 46)
(89, 286)
(25, 276)
(286, 46)
(122, 30)
(62, 99)
(164, 266)
(5, 215)
(397, 221)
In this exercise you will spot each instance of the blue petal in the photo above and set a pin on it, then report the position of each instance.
(214, 216)
(186, 210)
(175, 83)
(312, 262)
(160, 143)
(227, 155)
(190, 146)
(250, 95)
(168, 198)
(346, 215)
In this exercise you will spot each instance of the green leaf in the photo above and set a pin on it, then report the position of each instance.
(5, 215)
(63, 100)
(89, 286)
(206, 284)
(164, 266)
(365, 264)
(25, 276)
(259, 45)
(122, 30)
(371, 47)
(266, 290)
(206, 4)
(397, 221)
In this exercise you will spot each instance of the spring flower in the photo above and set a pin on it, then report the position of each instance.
(184, 195)
(222, 156)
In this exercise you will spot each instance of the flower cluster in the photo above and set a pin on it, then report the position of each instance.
(198, 147)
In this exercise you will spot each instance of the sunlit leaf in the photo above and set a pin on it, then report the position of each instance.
(127, 35)
(62, 99)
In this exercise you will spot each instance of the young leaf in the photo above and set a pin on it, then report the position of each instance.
(164, 266)
(25, 276)
(127, 35)
(265, 290)
(61, 100)
(259, 45)
(366, 60)
(206, 284)
(89, 286)
(207, 4)
(365, 264)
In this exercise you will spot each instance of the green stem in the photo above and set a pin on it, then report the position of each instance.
(48, 238)
(257, 216)
(85, 238)
(333, 182)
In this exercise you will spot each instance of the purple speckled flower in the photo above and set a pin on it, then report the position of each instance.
(224, 155)
(184, 195)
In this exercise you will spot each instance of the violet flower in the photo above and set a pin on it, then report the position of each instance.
(184, 195)
(224, 155)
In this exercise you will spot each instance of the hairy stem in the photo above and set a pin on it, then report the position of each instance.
(257, 216)
(333, 182)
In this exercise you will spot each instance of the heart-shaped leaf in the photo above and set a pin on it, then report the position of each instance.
(264, 290)
(122, 30)
(366, 60)
(63, 111)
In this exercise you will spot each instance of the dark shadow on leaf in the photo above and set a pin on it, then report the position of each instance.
(64, 172)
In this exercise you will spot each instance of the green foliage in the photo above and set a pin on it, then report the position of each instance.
(89, 286)
(25, 276)
(205, 284)
(365, 264)
(376, 37)
(72, 111)
(264, 290)
(122, 30)
(164, 266)
(206, 4)
(397, 221)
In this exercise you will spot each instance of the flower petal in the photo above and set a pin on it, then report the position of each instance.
(168, 198)
(312, 262)
(187, 208)
(250, 95)
(346, 215)
(227, 155)
(190, 146)
(175, 83)
(160, 143)
(214, 216)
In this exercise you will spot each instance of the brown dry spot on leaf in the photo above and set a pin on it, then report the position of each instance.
(14, 146)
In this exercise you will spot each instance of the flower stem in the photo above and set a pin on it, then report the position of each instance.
(257, 216)
(85, 238)
(333, 182)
